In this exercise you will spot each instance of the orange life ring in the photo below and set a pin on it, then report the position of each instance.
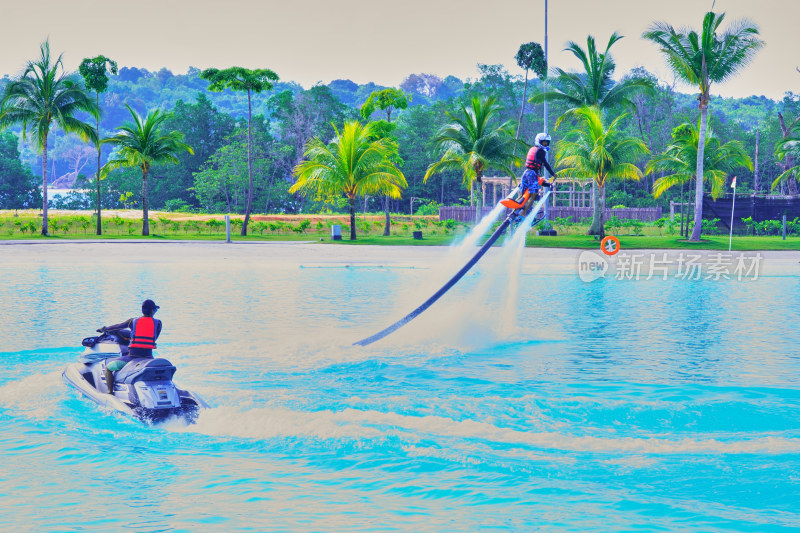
(608, 250)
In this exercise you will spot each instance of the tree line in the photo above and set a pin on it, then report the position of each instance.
(239, 140)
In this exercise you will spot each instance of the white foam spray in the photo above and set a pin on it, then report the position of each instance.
(483, 314)
(491, 313)
(470, 241)
(34, 396)
(280, 422)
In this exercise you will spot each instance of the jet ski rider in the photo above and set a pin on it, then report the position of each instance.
(531, 178)
(144, 332)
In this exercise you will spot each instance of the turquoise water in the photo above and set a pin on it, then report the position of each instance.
(659, 405)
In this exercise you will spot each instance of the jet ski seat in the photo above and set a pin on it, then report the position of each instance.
(145, 370)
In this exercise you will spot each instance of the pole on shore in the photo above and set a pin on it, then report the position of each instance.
(227, 228)
(546, 63)
(730, 239)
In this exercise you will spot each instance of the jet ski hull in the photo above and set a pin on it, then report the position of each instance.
(143, 389)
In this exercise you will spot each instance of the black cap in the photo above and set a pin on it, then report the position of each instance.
(149, 305)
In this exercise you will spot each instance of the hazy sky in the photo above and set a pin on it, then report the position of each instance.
(310, 41)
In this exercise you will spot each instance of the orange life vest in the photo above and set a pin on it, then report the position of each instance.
(144, 333)
(531, 162)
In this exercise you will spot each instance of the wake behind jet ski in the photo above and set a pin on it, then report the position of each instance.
(143, 388)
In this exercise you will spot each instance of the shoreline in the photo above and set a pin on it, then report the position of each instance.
(312, 253)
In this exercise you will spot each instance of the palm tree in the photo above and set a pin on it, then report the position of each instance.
(471, 144)
(249, 81)
(43, 95)
(679, 160)
(386, 100)
(530, 56)
(142, 144)
(95, 74)
(703, 59)
(356, 162)
(592, 150)
(595, 85)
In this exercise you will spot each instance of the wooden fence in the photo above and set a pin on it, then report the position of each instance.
(467, 213)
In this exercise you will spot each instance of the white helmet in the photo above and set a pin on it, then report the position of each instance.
(542, 137)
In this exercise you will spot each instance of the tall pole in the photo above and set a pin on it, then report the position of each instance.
(546, 210)
(546, 63)
(733, 203)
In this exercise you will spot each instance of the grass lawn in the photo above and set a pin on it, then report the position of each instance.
(124, 224)
(671, 242)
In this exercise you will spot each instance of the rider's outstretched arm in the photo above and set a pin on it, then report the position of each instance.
(122, 325)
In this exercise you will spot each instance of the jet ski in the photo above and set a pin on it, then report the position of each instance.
(143, 388)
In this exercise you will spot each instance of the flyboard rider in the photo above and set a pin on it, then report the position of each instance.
(532, 178)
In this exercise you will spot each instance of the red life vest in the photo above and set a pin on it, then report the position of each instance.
(531, 162)
(144, 333)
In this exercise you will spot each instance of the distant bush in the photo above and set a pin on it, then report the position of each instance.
(635, 225)
(614, 223)
(428, 209)
(302, 227)
(214, 224)
(177, 205)
(771, 227)
(711, 227)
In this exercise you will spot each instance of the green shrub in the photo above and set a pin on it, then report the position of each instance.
(711, 227)
(125, 199)
(614, 224)
(215, 224)
(84, 222)
(793, 226)
(660, 223)
(431, 208)
(771, 227)
(177, 205)
(302, 227)
(636, 226)
(750, 224)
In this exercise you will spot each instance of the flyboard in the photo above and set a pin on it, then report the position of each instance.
(516, 205)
